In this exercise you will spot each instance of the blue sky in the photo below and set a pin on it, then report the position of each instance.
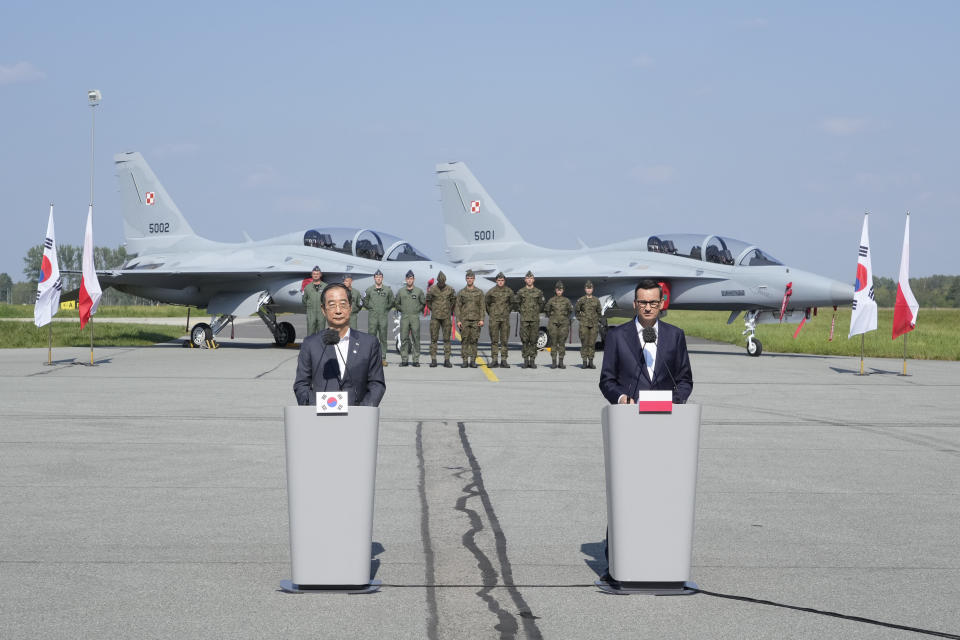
(774, 123)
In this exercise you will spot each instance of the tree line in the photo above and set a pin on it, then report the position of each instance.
(932, 291)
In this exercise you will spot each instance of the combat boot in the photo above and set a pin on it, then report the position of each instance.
(465, 363)
(533, 363)
(433, 363)
(447, 363)
(503, 364)
(591, 365)
(561, 365)
(403, 363)
(553, 360)
(473, 363)
(493, 363)
(586, 363)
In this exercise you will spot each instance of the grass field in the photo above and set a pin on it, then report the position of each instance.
(129, 311)
(15, 334)
(937, 336)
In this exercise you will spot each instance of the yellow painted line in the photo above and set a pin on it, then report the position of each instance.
(480, 361)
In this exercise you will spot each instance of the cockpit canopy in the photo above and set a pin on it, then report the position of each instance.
(716, 249)
(362, 243)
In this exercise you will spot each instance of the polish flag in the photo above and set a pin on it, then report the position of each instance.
(905, 308)
(864, 316)
(90, 291)
(655, 401)
(48, 284)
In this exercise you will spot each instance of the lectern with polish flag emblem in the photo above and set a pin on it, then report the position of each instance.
(650, 459)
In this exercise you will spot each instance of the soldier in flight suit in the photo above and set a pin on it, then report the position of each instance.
(378, 301)
(410, 302)
(499, 303)
(558, 312)
(529, 302)
(440, 299)
(356, 302)
(589, 313)
(316, 321)
(470, 311)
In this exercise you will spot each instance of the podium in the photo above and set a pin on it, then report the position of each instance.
(331, 472)
(650, 461)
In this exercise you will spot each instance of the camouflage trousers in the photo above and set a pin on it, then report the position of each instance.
(499, 336)
(316, 323)
(529, 330)
(588, 341)
(469, 336)
(410, 336)
(377, 326)
(353, 321)
(440, 328)
(559, 331)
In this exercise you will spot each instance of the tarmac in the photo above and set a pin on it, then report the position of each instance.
(145, 497)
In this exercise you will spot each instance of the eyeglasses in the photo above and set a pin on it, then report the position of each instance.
(653, 304)
(334, 304)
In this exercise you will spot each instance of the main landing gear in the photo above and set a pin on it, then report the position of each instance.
(203, 335)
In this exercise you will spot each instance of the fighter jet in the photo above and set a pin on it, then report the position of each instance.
(172, 264)
(697, 271)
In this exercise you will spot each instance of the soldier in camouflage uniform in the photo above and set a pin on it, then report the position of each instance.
(356, 302)
(378, 301)
(470, 310)
(589, 313)
(529, 302)
(558, 310)
(410, 302)
(440, 299)
(316, 321)
(499, 303)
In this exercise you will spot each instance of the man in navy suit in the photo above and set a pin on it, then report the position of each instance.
(345, 360)
(636, 359)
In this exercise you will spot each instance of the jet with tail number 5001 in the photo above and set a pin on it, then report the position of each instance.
(697, 271)
(170, 263)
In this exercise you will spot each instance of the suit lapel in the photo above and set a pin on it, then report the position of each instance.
(635, 348)
(353, 357)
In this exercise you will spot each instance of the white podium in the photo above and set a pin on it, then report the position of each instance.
(651, 478)
(331, 472)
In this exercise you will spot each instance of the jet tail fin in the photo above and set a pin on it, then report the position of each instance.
(474, 226)
(151, 219)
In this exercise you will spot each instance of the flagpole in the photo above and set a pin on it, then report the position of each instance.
(50, 343)
(93, 97)
(905, 354)
(861, 353)
(91, 341)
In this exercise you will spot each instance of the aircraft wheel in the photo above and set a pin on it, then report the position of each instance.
(754, 347)
(286, 334)
(543, 339)
(201, 335)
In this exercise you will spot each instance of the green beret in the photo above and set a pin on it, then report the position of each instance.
(529, 274)
(559, 285)
(470, 273)
(500, 275)
(588, 285)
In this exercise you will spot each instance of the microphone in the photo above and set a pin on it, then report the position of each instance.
(330, 336)
(649, 335)
(331, 368)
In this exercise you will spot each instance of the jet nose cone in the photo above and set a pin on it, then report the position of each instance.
(841, 293)
(811, 290)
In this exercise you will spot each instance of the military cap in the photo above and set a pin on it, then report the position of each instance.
(316, 267)
(378, 272)
(441, 277)
(347, 276)
(529, 274)
(409, 273)
(588, 285)
(559, 285)
(470, 273)
(500, 275)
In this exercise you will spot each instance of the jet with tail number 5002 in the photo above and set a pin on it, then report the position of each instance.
(170, 263)
(697, 271)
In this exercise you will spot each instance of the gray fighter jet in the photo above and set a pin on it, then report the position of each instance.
(704, 271)
(170, 263)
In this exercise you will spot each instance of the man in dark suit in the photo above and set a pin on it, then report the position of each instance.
(636, 359)
(341, 359)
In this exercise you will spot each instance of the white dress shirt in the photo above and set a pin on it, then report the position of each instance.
(649, 348)
(343, 352)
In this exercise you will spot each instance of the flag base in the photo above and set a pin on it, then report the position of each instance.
(609, 585)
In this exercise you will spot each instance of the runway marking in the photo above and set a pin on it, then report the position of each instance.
(491, 376)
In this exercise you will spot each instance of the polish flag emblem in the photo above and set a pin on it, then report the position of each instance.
(475, 206)
(655, 402)
(150, 197)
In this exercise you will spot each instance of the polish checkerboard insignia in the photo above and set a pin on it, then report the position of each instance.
(474, 206)
(150, 197)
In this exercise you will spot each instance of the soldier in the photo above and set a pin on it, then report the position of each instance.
(356, 302)
(316, 321)
(558, 310)
(470, 311)
(529, 302)
(378, 301)
(410, 301)
(589, 313)
(499, 303)
(440, 299)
